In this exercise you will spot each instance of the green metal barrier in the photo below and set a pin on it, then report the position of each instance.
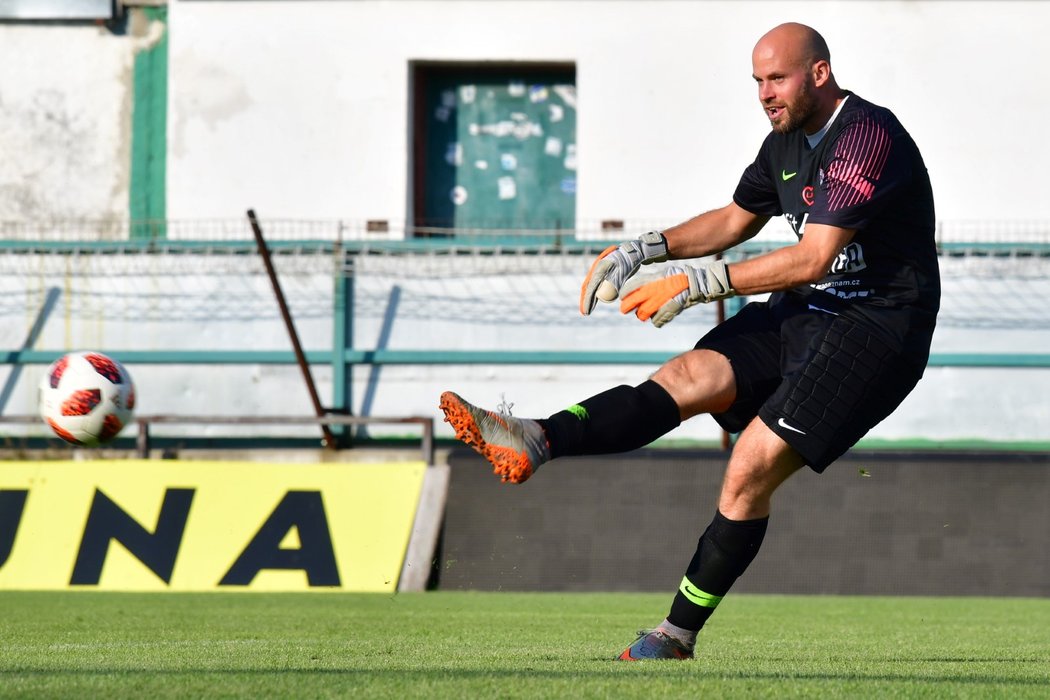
(462, 357)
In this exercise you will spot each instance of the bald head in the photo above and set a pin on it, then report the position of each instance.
(800, 45)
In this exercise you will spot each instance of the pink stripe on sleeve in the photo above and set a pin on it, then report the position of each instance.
(861, 153)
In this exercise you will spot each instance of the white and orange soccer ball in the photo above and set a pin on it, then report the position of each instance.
(86, 398)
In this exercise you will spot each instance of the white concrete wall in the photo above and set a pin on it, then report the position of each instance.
(65, 122)
(301, 110)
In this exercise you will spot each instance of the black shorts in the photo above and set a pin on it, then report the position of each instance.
(818, 380)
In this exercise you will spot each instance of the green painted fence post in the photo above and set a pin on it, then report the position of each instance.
(147, 196)
(342, 340)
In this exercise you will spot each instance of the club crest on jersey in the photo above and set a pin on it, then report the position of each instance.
(807, 195)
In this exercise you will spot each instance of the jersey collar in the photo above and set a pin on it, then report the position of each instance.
(814, 139)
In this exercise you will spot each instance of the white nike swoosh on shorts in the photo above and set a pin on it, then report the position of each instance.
(783, 424)
(817, 308)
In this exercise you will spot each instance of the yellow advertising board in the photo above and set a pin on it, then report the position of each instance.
(164, 525)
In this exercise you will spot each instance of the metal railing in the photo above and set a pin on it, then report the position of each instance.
(345, 228)
(143, 439)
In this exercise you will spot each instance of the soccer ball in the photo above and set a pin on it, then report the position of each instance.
(86, 398)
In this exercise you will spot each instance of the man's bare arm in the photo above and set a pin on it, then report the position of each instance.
(803, 263)
(713, 232)
(660, 296)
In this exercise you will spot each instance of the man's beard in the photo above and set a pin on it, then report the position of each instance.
(798, 112)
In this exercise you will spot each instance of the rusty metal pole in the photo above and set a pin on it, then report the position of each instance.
(328, 440)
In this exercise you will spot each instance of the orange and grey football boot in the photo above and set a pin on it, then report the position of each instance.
(515, 447)
(655, 644)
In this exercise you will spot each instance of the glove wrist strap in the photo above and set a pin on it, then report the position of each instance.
(654, 247)
(718, 281)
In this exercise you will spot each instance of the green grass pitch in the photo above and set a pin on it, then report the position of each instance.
(513, 645)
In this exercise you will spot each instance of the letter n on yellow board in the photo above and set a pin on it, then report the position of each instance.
(141, 525)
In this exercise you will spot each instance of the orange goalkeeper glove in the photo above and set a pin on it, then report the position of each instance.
(660, 296)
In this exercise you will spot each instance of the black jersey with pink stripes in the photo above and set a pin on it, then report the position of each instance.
(866, 173)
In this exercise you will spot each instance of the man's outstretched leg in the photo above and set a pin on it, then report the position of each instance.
(620, 419)
(761, 461)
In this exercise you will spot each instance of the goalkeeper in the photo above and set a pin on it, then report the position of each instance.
(842, 339)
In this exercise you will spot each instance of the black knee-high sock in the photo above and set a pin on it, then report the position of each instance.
(620, 419)
(724, 551)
